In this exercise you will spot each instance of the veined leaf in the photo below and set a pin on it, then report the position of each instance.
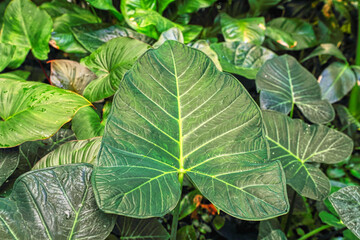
(171, 34)
(203, 46)
(92, 36)
(284, 82)
(70, 75)
(336, 81)
(140, 229)
(83, 151)
(170, 118)
(67, 213)
(106, 5)
(9, 160)
(244, 59)
(328, 49)
(27, 26)
(247, 30)
(346, 202)
(346, 118)
(30, 110)
(297, 145)
(87, 122)
(109, 63)
(190, 6)
(291, 33)
(6, 54)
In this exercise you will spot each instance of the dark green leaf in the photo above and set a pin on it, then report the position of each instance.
(218, 222)
(186, 233)
(270, 230)
(171, 118)
(258, 6)
(106, 5)
(9, 160)
(56, 8)
(190, 6)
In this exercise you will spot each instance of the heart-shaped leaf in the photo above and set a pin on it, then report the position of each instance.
(83, 151)
(67, 213)
(284, 82)
(92, 36)
(30, 110)
(346, 202)
(170, 118)
(70, 75)
(9, 160)
(244, 59)
(27, 26)
(88, 124)
(110, 62)
(336, 81)
(247, 30)
(297, 145)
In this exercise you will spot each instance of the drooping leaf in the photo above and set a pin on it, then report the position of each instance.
(258, 6)
(270, 230)
(244, 59)
(30, 110)
(284, 82)
(171, 34)
(106, 5)
(109, 63)
(27, 26)
(9, 160)
(92, 36)
(63, 38)
(190, 6)
(247, 30)
(82, 151)
(69, 212)
(167, 119)
(70, 75)
(327, 49)
(88, 124)
(297, 145)
(6, 54)
(140, 229)
(336, 81)
(291, 33)
(346, 202)
(204, 46)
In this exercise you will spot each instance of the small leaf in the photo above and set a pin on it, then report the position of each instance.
(30, 110)
(83, 151)
(336, 81)
(297, 145)
(188, 204)
(27, 26)
(218, 222)
(109, 63)
(326, 49)
(346, 202)
(9, 160)
(284, 82)
(247, 30)
(330, 219)
(69, 212)
(70, 75)
(187, 232)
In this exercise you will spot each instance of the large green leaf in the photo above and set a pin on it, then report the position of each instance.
(327, 49)
(6, 54)
(190, 6)
(284, 82)
(170, 118)
(109, 63)
(9, 160)
(291, 33)
(69, 212)
(92, 36)
(336, 81)
(87, 122)
(70, 75)
(83, 151)
(258, 6)
(32, 111)
(247, 30)
(140, 229)
(297, 145)
(106, 5)
(27, 26)
(244, 59)
(346, 202)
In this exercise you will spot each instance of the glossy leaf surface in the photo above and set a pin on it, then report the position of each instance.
(67, 213)
(297, 145)
(70, 75)
(346, 202)
(244, 59)
(110, 62)
(87, 122)
(27, 26)
(164, 121)
(284, 82)
(82, 151)
(30, 110)
(106, 5)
